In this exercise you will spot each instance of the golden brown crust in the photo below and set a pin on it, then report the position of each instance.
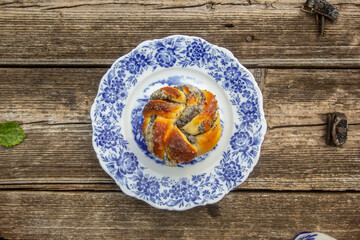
(208, 140)
(163, 109)
(162, 127)
(180, 123)
(178, 147)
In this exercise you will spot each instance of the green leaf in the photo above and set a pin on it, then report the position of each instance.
(11, 134)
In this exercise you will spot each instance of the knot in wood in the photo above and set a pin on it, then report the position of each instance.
(337, 129)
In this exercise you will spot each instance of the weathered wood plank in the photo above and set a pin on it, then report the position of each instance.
(154, 3)
(305, 96)
(53, 105)
(54, 32)
(292, 158)
(113, 215)
(52, 95)
(65, 95)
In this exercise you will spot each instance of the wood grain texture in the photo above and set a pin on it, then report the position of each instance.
(97, 32)
(113, 215)
(53, 106)
(53, 55)
(292, 158)
(305, 96)
(291, 96)
(48, 95)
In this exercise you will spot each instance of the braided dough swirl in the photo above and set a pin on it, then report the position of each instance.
(181, 122)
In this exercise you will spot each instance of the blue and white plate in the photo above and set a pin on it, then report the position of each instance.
(117, 120)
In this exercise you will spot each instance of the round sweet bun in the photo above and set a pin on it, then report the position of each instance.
(180, 123)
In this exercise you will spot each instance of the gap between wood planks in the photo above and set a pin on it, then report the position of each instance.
(112, 187)
(209, 5)
(248, 63)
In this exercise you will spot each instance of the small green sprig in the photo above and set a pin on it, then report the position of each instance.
(11, 134)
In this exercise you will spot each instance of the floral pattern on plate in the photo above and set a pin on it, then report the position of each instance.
(125, 166)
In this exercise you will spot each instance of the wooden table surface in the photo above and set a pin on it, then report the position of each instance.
(53, 55)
